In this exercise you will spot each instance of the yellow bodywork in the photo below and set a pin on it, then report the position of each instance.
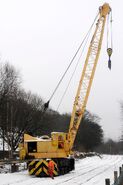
(55, 147)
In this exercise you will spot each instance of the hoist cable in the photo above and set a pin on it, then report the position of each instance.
(46, 105)
(109, 34)
(111, 31)
(109, 38)
(71, 62)
(107, 31)
(73, 73)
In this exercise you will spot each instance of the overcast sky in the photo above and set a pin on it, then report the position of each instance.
(39, 37)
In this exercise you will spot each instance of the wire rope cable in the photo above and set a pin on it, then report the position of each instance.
(111, 31)
(73, 73)
(109, 34)
(107, 31)
(46, 105)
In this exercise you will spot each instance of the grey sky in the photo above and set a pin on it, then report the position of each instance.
(40, 37)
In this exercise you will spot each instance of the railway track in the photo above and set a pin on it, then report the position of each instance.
(15, 161)
(91, 172)
(88, 171)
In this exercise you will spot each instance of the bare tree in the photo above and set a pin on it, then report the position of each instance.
(9, 85)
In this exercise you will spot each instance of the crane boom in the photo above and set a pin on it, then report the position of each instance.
(88, 74)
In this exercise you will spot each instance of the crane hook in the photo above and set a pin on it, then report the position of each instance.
(109, 51)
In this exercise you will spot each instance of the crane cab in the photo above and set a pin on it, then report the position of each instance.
(45, 147)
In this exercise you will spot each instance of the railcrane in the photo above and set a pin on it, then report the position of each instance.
(59, 146)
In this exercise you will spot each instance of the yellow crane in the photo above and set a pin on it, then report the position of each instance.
(59, 146)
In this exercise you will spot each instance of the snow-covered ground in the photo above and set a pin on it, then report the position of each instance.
(88, 171)
(1, 145)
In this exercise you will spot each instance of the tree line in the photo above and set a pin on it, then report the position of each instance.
(22, 112)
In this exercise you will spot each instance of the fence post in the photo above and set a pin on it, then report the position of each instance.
(122, 167)
(14, 167)
(107, 181)
(115, 176)
(120, 170)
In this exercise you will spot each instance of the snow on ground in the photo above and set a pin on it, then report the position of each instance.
(88, 171)
(1, 145)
